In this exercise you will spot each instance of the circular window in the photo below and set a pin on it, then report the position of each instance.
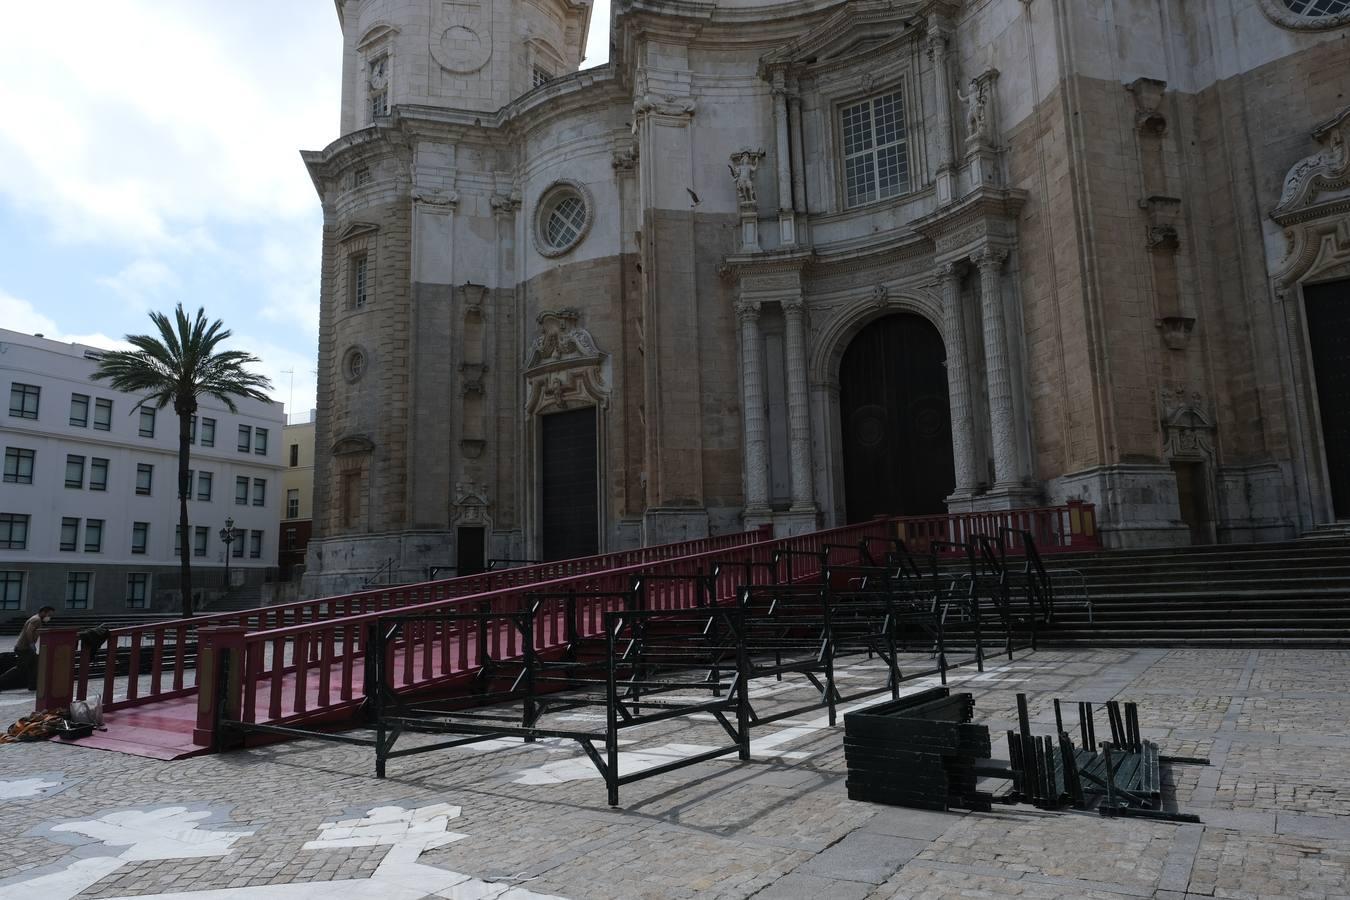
(563, 218)
(354, 364)
(1308, 14)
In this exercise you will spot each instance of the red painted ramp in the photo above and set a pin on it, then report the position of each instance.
(159, 731)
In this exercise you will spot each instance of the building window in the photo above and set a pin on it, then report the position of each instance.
(1316, 9)
(192, 430)
(237, 548)
(255, 545)
(361, 177)
(260, 441)
(11, 590)
(79, 410)
(360, 271)
(70, 534)
(245, 439)
(102, 414)
(144, 473)
(140, 536)
(178, 541)
(147, 422)
(259, 492)
(379, 86)
(185, 488)
(293, 503)
(13, 531)
(74, 471)
(563, 223)
(18, 465)
(241, 491)
(354, 364)
(93, 535)
(199, 539)
(208, 432)
(204, 485)
(77, 589)
(539, 76)
(876, 160)
(292, 538)
(23, 400)
(138, 586)
(98, 474)
(295, 455)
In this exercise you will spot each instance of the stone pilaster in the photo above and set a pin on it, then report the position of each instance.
(942, 81)
(799, 407)
(798, 153)
(1007, 474)
(782, 146)
(752, 386)
(958, 382)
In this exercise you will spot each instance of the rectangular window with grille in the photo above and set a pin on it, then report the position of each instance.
(208, 432)
(255, 545)
(138, 588)
(204, 485)
(241, 491)
(539, 76)
(18, 465)
(23, 400)
(295, 455)
(70, 533)
(140, 536)
(74, 471)
(237, 548)
(144, 475)
(192, 429)
(245, 439)
(259, 492)
(79, 410)
(77, 589)
(11, 590)
(199, 539)
(360, 278)
(260, 441)
(93, 535)
(102, 414)
(876, 157)
(98, 474)
(293, 503)
(13, 531)
(147, 422)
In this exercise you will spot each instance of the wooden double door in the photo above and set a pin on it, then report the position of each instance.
(569, 486)
(897, 430)
(1328, 312)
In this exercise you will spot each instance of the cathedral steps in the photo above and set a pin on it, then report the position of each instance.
(1291, 594)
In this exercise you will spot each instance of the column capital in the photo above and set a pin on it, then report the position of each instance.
(987, 258)
(937, 43)
(747, 310)
(949, 271)
(794, 304)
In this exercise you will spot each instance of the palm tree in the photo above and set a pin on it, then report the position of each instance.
(180, 364)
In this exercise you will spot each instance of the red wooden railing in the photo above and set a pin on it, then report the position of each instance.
(278, 662)
(160, 649)
(1056, 529)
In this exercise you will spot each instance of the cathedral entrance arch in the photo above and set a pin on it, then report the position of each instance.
(896, 424)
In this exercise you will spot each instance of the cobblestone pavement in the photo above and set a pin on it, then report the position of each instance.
(512, 821)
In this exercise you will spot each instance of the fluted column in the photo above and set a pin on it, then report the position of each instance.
(799, 407)
(942, 85)
(752, 384)
(958, 381)
(783, 147)
(798, 156)
(990, 263)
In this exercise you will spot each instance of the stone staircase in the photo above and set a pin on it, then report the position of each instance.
(1289, 594)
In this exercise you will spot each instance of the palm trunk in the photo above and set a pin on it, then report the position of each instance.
(184, 450)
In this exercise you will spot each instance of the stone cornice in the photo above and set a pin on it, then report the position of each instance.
(738, 265)
(839, 31)
(983, 203)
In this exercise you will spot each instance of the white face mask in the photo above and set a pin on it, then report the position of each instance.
(47, 618)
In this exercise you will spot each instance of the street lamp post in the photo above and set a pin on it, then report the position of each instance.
(227, 538)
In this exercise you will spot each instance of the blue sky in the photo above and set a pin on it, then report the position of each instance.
(149, 154)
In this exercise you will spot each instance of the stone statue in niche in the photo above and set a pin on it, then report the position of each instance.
(743, 165)
(977, 113)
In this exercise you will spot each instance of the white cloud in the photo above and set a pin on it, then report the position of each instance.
(141, 281)
(20, 315)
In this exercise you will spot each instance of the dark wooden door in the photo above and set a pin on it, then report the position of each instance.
(1328, 307)
(570, 517)
(1193, 497)
(469, 555)
(897, 426)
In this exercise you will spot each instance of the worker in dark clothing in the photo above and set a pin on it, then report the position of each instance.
(26, 647)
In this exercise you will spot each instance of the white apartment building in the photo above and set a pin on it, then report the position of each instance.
(89, 501)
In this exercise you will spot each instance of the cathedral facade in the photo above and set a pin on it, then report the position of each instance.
(802, 262)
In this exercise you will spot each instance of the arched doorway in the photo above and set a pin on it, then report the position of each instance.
(897, 430)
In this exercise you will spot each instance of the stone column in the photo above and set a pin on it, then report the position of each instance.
(783, 150)
(958, 381)
(752, 384)
(990, 262)
(798, 156)
(799, 407)
(942, 83)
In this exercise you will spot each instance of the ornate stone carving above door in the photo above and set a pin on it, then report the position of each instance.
(564, 366)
